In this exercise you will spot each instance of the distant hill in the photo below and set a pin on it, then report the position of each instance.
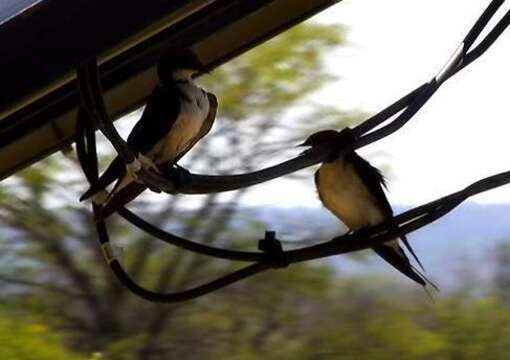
(457, 246)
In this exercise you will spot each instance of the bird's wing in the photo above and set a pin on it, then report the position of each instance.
(206, 125)
(316, 179)
(119, 199)
(158, 118)
(159, 115)
(399, 261)
(411, 250)
(374, 181)
(132, 190)
(211, 116)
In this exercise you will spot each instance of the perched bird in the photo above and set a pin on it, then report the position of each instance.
(352, 190)
(177, 115)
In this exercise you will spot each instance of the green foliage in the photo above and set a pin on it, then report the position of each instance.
(305, 312)
(59, 262)
(276, 74)
(21, 339)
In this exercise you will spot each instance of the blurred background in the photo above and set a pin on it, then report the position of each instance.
(58, 299)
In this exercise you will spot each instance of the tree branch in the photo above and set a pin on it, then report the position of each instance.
(43, 285)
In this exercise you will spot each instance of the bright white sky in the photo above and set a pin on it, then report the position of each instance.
(394, 46)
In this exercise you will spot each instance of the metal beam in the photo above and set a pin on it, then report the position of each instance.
(39, 118)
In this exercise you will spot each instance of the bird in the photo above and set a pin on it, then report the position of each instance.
(178, 113)
(352, 190)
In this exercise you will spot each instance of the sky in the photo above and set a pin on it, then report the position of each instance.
(393, 46)
(11, 8)
(460, 136)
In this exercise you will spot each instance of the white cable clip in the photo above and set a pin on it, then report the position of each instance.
(108, 253)
(455, 60)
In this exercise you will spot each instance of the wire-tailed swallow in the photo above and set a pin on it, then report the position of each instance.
(352, 190)
(177, 115)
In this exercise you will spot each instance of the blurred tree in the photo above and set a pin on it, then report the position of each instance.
(30, 341)
(52, 263)
(501, 257)
(53, 279)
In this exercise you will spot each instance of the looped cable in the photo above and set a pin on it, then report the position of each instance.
(87, 156)
(273, 256)
(407, 106)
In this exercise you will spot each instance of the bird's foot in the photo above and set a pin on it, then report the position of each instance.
(101, 197)
(147, 163)
(133, 168)
(180, 175)
(139, 163)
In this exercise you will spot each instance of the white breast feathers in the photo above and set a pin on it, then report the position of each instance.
(343, 192)
(194, 110)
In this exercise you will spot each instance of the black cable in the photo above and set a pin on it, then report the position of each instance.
(273, 255)
(87, 156)
(187, 244)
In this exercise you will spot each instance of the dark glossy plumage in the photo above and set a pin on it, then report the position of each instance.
(131, 191)
(373, 181)
(158, 117)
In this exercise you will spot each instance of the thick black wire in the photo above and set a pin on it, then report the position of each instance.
(187, 244)
(365, 238)
(409, 105)
(481, 23)
(418, 97)
(87, 155)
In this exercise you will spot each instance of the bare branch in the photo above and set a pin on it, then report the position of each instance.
(43, 285)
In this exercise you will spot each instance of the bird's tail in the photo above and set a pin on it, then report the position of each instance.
(400, 261)
(114, 171)
(118, 199)
(410, 249)
(408, 246)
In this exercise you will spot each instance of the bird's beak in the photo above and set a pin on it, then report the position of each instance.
(205, 71)
(202, 69)
(200, 72)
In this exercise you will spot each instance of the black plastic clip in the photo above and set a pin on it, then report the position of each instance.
(272, 248)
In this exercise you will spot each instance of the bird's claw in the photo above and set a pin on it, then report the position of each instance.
(178, 174)
(139, 163)
(183, 175)
(147, 163)
(100, 198)
(133, 168)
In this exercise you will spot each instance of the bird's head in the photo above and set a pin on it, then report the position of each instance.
(179, 66)
(321, 138)
(330, 136)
